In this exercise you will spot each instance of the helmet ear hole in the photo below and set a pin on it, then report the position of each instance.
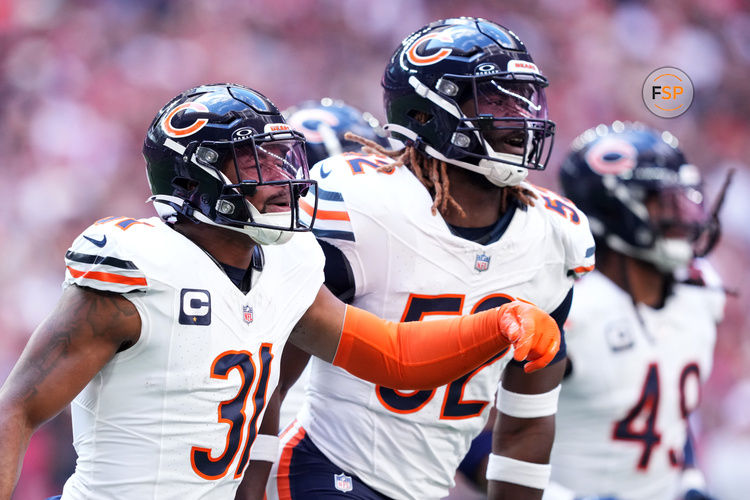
(184, 184)
(420, 116)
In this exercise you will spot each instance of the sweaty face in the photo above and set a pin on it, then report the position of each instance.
(270, 162)
(503, 110)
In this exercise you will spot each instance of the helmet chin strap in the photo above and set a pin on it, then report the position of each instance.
(169, 206)
(505, 175)
(267, 236)
(667, 254)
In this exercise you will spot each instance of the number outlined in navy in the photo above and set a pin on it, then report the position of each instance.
(233, 413)
(454, 407)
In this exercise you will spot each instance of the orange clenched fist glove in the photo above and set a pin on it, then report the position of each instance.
(532, 332)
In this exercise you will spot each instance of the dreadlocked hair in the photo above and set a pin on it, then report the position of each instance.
(433, 174)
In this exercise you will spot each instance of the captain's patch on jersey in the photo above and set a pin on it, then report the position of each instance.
(195, 307)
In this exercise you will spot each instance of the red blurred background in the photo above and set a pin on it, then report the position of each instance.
(82, 79)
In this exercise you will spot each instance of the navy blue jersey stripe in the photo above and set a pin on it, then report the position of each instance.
(334, 235)
(98, 259)
(327, 195)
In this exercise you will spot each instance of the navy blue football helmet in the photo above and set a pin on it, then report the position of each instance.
(466, 91)
(642, 197)
(212, 146)
(324, 124)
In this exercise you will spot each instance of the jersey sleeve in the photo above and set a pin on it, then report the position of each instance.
(344, 219)
(99, 258)
(332, 220)
(572, 226)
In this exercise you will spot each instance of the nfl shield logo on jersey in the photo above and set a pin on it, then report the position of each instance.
(482, 263)
(247, 314)
(342, 482)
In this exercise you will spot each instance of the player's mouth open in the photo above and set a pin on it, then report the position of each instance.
(278, 204)
(515, 140)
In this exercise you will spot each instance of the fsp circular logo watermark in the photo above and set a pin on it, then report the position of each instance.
(667, 92)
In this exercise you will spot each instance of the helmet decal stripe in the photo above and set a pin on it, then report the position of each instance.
(173, 131)
(174, 146)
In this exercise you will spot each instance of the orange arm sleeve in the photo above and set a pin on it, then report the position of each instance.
(428, 354)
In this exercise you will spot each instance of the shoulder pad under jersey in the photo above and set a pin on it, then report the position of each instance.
(571, 226)
(101, 257)
(343, 181)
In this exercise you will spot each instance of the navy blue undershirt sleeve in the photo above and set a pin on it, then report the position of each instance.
(339, 277)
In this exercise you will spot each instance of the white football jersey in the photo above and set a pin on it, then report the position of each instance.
(408, 266)
(175, 415)
(622, 414)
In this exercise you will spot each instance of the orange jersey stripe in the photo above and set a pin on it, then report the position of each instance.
(583, 269)
(284, 489)
(324, 214)
(107, 277)
(288, 428)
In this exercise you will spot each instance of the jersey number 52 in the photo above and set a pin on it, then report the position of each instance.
(454, 406)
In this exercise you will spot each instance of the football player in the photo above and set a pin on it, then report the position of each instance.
(167, 336)
(444, 227)
(642, 328)
(324, 124)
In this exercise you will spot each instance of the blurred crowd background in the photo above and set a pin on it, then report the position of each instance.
(81, 80)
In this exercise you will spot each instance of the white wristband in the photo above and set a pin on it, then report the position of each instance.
(527, 405)
(514, 471)
(692, 479)
(265, 448)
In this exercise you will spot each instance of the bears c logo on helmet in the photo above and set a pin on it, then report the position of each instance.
(176, 132)
(417, 60)
(612, 156)
(316, 117)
